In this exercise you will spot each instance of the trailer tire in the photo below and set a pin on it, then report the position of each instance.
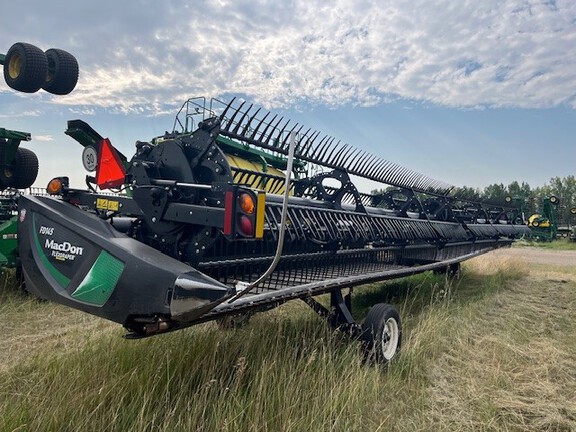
(24, 169)
(25, 67)
(62, 73)
(452, 271)
(381, 333)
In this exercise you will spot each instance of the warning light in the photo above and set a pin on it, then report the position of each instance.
(56, 185)
(244, 213)
(110, 171)
(247, 203)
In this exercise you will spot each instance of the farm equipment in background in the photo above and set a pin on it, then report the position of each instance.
(26, 68)
(8, 229)
(236, 211)
(544, 225)
(548, 225)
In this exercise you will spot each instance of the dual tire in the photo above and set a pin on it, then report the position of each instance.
(28, 69)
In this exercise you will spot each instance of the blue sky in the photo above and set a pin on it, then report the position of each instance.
(467, 92)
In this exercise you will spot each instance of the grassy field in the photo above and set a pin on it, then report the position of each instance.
(495, 350)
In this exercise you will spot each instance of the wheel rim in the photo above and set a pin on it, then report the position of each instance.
(390, 337)
(15, 66)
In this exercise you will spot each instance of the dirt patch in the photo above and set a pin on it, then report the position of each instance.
(532, 255)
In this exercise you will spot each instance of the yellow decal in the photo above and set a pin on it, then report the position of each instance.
(105, 204)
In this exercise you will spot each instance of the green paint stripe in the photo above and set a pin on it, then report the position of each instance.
(62, 280)
(100, 281)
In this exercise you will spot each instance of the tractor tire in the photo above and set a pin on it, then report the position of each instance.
(381, 333)
(535, 224)
(62, 73)
(25, 67)
(25, 168)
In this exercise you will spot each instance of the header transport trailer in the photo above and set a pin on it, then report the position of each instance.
(238, 211)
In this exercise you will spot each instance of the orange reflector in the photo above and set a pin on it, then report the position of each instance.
(54, 187)
(247, 203)
(260, 212)
(110, 171)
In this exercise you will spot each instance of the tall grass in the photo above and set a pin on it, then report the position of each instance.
(286, 371)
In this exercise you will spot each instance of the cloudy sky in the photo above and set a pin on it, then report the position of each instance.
(468, 92)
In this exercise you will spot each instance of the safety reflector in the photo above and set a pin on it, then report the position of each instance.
(110, 172)
(228, 213)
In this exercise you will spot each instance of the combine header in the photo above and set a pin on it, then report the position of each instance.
(240, 213)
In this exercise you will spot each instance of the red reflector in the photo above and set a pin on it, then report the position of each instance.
(110, 172)
(246, 226)
(228, 212)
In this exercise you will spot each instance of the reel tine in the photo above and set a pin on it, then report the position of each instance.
(320, 156)
(332, 152)
(298, 148)
(377, 171)
(285, 143)
(277, 141)
(309, 143)
(237, 128)
(362, 164)
(258, 125)
(263, 134)
(247, 126)
(223, 115)
(231, 121)
(273, 130)
(348, 156)
(315, 151)
(343, 152)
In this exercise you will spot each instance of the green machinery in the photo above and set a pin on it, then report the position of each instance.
(548, 225)
(26, 69)
(544, 226)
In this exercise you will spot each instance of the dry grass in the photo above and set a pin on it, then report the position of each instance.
(493, 351)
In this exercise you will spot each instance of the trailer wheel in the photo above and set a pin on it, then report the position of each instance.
(24, 169)
(382, 333)
(452, 271)
(25, 67)
(62, 74)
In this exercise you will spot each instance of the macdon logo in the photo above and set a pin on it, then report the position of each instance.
(63, 251)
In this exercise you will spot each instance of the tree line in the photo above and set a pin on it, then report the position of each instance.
(531, 199)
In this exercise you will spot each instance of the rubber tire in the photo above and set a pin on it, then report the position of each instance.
(24, 168)
(25, 67)
(62, 74)
(381, 319)
(535, 224)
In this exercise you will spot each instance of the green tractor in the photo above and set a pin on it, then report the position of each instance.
(26, 69)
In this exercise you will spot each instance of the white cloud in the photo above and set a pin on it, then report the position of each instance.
(149, 57)
(43, 138)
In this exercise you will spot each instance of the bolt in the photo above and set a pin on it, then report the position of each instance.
(153, 219)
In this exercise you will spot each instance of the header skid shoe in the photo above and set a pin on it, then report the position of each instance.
(77, 259)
